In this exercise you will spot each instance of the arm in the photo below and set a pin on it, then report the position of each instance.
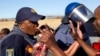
(64, 38)
(47, 37)
(72, 49)
(56, 50)
(90, 51)
(77, 36)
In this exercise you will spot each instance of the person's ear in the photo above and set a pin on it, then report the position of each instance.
(21, 25)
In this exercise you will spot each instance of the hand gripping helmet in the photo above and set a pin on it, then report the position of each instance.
(78, 12)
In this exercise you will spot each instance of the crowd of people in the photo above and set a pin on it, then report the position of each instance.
(66, 40)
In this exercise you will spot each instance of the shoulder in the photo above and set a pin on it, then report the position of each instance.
(63, 27)
(11, 39)
(62, 30)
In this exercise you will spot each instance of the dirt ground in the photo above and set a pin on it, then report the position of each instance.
(53, 23)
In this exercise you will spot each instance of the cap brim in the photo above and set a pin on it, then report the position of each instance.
(65, 19)
(36, 17)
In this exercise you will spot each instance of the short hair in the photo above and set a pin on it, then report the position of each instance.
(5, 31)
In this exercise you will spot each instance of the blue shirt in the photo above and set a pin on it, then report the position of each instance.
(64, 38)
(17, 41)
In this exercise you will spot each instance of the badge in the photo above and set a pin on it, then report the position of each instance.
(10, 52)
(33, 11)
(29, 49)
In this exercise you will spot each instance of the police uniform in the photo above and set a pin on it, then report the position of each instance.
(17, 43)
(64, 39)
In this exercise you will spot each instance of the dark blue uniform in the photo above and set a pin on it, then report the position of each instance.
(17, 43)
(64, 39)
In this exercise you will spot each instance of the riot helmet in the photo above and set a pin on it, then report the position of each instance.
(78, 12)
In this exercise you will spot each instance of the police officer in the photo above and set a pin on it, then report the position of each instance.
(20, 41)
(63, 37)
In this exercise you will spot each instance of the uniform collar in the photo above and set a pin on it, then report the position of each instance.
(17, 29)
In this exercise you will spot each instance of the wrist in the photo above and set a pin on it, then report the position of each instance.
(53, 46)
(75, 37)
(78, 37)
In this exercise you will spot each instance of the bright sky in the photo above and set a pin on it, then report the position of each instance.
(9, 8)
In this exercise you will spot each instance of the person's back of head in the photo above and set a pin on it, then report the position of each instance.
(5, 31)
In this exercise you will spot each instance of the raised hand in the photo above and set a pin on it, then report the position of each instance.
(79, 32)
(47, 36)
(75, 31)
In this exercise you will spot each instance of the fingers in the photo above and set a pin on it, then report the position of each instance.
(46, 27)
(78, 25)
(45, 34)
(72, 26)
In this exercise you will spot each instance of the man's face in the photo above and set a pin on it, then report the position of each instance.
(97, 20)
(29, 27)
(97, 25)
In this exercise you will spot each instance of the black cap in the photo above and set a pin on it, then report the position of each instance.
(27, 13)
